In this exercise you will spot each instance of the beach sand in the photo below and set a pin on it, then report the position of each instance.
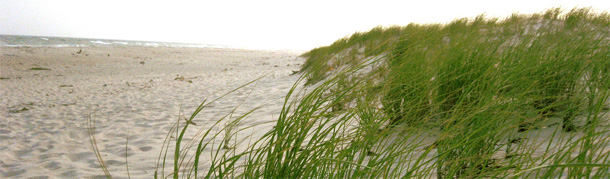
(47, 95)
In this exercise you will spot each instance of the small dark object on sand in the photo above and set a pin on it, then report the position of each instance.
(179, 78)
(39, 68)
(371, 153)
(516, 140)
(510, 156)
(19, 110)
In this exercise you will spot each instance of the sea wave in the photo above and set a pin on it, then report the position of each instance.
(100, 42)
(59, 45)
(151, 44)
(41, 41)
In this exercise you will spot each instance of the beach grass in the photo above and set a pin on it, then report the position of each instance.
(525, 97)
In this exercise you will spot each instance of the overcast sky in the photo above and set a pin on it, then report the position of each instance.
(254, 24)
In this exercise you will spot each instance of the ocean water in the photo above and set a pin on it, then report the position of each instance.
(41, 41)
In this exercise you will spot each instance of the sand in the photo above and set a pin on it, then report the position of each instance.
(47, 94)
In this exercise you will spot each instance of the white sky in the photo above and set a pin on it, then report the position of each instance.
(253, 24)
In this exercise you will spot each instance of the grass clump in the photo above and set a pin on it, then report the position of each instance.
(526, 97)
(480, 81)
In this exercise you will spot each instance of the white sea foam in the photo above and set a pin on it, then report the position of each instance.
(44, 38)
(13, 45)
(100, 42)
(151, 44)
(67, 45)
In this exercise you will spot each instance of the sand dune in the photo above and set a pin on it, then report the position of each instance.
(47, 95)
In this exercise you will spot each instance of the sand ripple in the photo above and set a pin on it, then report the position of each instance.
(43, 131)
